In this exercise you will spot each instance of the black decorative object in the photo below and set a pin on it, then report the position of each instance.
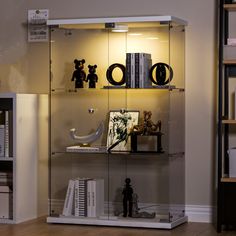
(110, 77)
(161, 73)
(127, 198)
(135, 142)
(92, 78)
(146, 129)
(79, 75)
(136, 210)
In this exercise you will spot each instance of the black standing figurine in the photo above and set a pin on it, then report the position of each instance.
(79, 75)
(127, 198)
(92, 78)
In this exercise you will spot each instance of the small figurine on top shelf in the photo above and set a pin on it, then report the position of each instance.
(92, 78)
(79, 75)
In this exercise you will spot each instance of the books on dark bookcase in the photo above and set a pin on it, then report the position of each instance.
(2, 140)
(84, 198)
(137, 70)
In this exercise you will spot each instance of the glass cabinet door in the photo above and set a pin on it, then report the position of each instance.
(79, 112)
(117, 122)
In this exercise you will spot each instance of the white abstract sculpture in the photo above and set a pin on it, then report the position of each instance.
(87, 139)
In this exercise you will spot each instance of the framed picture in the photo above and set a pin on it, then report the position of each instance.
(119, 127)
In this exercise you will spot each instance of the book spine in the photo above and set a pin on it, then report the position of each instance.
(99, 200)
(6, 133)
(141, 70)
(128, 70)
(82, 197)
(137, 70)
(97, 197)
(2, 140)
(76, 198)
(10, 132)
(147, 66)
(68, 204)
(93, 202)
(89, 198)
(132, 77)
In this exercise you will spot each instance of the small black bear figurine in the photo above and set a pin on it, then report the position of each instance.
(127, 198)
(79, 75)
(92, 77)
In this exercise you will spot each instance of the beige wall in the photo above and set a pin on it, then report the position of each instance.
(24, 68)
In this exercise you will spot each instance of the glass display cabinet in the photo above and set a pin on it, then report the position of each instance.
(117, 121)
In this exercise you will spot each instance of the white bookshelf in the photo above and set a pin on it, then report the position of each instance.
(22, 161)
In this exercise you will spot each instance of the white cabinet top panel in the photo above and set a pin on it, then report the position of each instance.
(130, 19)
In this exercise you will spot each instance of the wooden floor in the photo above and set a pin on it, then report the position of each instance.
(39, 227)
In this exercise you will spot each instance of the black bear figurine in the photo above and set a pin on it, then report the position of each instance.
(92, 77)
(79, 75)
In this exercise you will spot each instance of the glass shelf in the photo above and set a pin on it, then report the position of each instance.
(169, 88)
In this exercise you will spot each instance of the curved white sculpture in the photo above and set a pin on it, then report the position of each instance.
(87, 139)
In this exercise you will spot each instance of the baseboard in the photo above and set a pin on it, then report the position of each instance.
(195, 213)
(199, 213)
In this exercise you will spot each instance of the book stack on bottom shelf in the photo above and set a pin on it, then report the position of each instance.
(6, 211)
(84, 198)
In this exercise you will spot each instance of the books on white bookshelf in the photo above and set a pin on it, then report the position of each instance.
(5, 133)
(5, 194)
(6, 211)
(84, 198)
(6, 178)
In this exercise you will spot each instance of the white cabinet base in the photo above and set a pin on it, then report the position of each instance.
(142, 223)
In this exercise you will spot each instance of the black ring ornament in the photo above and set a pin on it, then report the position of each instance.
(109, 74)
(161, 73)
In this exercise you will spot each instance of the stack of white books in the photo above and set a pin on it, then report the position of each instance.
(84, 198)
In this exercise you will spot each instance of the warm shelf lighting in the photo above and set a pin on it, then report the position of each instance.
(120, 28)
(152, 38)
(134, 34)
